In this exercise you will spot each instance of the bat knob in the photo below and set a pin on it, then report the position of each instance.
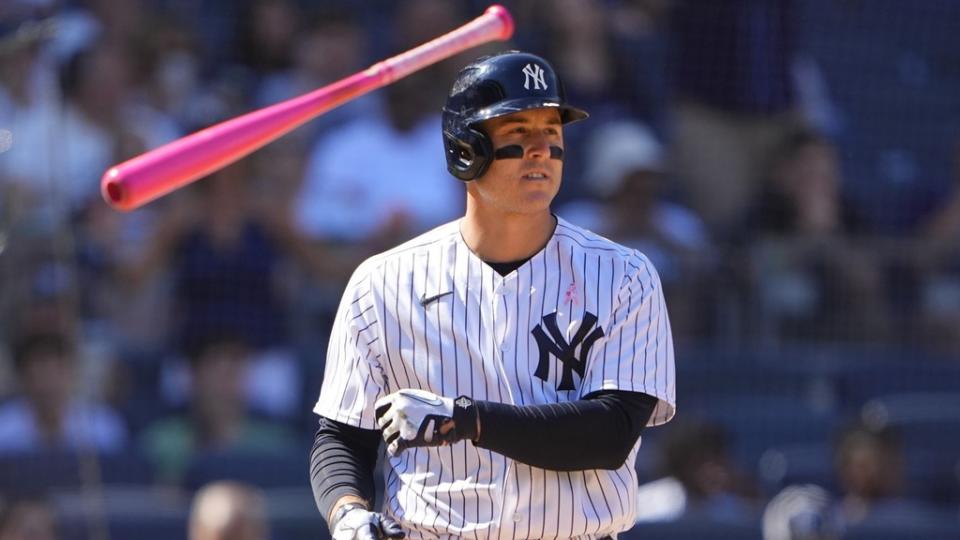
(500, 12)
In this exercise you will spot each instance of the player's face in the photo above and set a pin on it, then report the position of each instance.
(528, 183)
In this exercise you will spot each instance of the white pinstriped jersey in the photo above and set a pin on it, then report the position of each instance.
(430, 314)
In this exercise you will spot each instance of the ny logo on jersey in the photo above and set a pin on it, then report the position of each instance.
(556, 345)
(535, 73)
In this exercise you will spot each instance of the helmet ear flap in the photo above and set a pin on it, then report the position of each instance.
(469, 152)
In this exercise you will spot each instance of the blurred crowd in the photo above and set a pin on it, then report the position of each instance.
(195, 327)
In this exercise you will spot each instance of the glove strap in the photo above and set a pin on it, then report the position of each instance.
(342, 511)
(465, 418)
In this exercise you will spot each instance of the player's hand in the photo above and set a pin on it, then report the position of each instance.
(361, 524)
(412, 418)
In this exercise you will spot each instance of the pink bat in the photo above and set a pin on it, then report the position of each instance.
(133, 183)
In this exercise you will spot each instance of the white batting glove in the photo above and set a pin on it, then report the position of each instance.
(358, 523)
(412, 418)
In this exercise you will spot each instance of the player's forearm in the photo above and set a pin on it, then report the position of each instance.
(595, 433)
(341, 465)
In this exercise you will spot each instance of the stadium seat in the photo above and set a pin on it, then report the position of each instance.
(294, 515)
(266, 471)
(942, 532)
(140, 528)
(915, 521)
(148, 514)
(929, 427)
(757, 423)
(892, 85)
(702, 383)
(692, 529)
(46, 470)
(143, 513)
(862, 382)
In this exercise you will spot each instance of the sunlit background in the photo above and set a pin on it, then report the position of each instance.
(792, 168)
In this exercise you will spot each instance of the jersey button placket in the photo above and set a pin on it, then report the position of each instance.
(506, 316)
(505, 320)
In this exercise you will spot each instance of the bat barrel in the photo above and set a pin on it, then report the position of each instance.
(136, 182)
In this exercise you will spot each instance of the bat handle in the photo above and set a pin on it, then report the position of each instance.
(496, 23)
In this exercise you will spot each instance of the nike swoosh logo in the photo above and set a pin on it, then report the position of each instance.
(426, 300)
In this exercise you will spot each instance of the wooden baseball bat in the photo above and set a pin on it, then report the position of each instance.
(135, 182)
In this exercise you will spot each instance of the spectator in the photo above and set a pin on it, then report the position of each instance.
(121, 24)
(734, 99)
(173, 81)
(46, 414)
(578, 38)
(226, 246)
(802, 191)
(228, 511)
(216, 25)
(815, 279)
(217, 418)
(103, 122)
(869, 466)
(223, 265)
(130, 318)
(639, 32)
(330, 46)
(28, 109)
(350, 191)
(577, 33)
(700, 479)
(938, 266)
(801, 513)
(415, 22)
(28, 519)
(39, 289)
(626, 171)
(267, 33)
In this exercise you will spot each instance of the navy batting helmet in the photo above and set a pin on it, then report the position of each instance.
(494, 86)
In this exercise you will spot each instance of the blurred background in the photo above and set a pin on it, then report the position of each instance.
(792, 167)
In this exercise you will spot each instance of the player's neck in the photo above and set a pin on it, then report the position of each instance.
(506, 238)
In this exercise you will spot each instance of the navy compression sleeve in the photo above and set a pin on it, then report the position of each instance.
(341, 463)
(596, 432)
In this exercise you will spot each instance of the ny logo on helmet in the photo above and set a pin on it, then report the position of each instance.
(566, 353)
(535, 73)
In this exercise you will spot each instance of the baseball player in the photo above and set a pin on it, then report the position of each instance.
(508, 360)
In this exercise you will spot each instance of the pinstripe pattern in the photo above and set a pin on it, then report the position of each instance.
(478, 341)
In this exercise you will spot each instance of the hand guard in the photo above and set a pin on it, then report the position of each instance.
(411, 418)
(358, 523)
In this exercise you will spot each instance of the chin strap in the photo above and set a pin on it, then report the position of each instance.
(515, 151)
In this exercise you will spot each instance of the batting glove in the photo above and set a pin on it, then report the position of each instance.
(412, 418)
(354, 522)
